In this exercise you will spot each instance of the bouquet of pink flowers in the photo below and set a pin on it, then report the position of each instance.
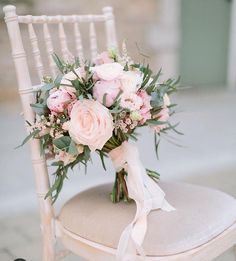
(95, 108)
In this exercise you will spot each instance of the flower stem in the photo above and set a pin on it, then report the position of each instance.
(120, 191)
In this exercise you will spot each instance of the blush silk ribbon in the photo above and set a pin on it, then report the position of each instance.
(145, 192)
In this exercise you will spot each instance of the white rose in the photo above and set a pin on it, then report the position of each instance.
(91, 124)
(108, 71)
(70, 76)
(131, 81)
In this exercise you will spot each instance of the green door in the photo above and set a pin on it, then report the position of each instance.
(204, 42)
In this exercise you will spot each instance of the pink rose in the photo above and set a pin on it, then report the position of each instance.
(109, 88)
(163, 115)
(103, 58)
(58, 100)
(108, 71)
(91, 124)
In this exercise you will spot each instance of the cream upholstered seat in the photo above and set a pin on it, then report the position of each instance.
(201, 214)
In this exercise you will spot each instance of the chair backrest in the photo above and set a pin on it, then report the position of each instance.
(23, 72)
(50, 24)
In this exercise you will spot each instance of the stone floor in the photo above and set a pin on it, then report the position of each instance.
(207, 158)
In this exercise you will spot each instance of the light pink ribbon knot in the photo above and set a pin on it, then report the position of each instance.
(145, 192)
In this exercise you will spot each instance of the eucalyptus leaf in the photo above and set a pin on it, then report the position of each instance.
(33, 134)
(39, 108)
(58, 62)
(62, 143)
(155, 122)
(156, 143)
(72, 148)
(57, 81)
(57, 163)
(48, 86)
(102, 155)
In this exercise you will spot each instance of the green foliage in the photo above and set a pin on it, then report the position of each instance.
(154, 122)
(156, 143)
(39, 108)
(62, 143)
(153, 174)
(45, 141)
(102, 155)
(66, 144)
(55, 189)
(72, 148)
(63, 66)
(33, 134)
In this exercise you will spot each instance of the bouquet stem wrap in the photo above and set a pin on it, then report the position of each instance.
(144, 191)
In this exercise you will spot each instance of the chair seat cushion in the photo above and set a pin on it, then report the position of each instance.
(201, 214)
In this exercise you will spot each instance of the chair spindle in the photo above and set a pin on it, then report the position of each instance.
(63, 41)
(36, 51)
(78, 40)
(93, 41)
(110, 27)
(49, 47)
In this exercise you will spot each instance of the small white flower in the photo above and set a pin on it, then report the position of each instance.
(80, 148)
(135, 116)
(66, 126)
(128, 121)
(122, 114)
(131, 101)
(65, 157)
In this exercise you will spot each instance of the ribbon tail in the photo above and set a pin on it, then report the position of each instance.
(157, 195)
(124, 241)
(147, 195)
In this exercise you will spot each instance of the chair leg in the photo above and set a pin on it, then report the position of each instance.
(48, 249)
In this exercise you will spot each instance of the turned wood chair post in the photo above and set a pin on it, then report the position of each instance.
(110, 27)
(39, 164)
